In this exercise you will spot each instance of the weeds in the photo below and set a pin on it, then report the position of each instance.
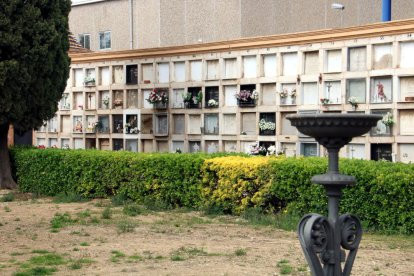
(125, 226)
(240, 252)
(133, 210)
(7, 197)
(68, 197)
(107, 213)
(60, 221)
(285, 267)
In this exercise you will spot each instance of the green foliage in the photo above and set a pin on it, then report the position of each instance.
(382, 198)
(235, 183)
(7, 197)
(164, 180)
(133, 210)
(125, 226)
(36, 271)
(240, 252)
(107, 213)
(69, 197)
(60, 221)
(34, 62)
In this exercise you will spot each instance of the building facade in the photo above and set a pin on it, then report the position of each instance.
(111, 98)
(103, 25)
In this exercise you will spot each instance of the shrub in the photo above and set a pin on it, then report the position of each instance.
(236, 183)
(382, 198)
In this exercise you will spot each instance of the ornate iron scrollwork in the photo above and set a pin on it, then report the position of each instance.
(317, 237)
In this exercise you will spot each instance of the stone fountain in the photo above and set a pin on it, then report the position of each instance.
(324, 240)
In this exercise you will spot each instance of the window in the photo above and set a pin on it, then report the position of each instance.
(211, 123)
(406, 122)
(310, 93)
(406, 57)
(85, 40)
(355, 151)
(267, 124)
(382, 56)
(289, 64)
(381, 129)
(357, 59)
(212, 96)
(333, 62)
(161, 125)
(131, 74)
(333, 91)
(309, 149)
(356, 88)
(381, 89)
(311, 62)
(104, 40)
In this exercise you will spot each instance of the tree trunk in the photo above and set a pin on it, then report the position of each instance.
(6, 179)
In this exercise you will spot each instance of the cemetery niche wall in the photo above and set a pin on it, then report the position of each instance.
(369, 69)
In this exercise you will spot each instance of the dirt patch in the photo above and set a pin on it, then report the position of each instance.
(164, 243)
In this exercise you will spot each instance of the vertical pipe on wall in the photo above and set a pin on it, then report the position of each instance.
(386, 10)
(131, 26)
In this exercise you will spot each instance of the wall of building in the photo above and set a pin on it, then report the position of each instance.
(159, 23)
(291, 73)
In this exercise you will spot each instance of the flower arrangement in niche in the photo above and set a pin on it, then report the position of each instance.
(353, 101)
(247, 95)
(212, 103)
(157, 97)
(271, 150)
(284, 93)
(324, 101)
(265, 125)
(292, 93)
(388, 119)
(89, 80)
(255, 149)
(105, 101)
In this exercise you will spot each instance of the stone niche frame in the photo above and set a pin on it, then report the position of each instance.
(131, 73)
(161, 124)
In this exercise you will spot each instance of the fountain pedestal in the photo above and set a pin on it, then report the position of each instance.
(324, 240)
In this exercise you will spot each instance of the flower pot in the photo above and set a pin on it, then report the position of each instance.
(192, 105)
(248, 103)
(267, 132)
(160, 105)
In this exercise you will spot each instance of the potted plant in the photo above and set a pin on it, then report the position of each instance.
(191, 100)
(89, 81)
(388, 119)
(324, 101)
(292, 95)
(247, 97)
(117, 103)
(354, 102)
(212, 103)
(158, 98)
(255, 149)
(105, 102)
(267, 127)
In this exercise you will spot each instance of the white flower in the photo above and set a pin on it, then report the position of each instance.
(255, 95)
(271, 150)
(212, 102)
(264, 125)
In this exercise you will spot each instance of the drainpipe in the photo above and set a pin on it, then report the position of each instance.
(131, 26)
(386, 10)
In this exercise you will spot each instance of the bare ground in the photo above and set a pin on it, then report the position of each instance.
(167, 243)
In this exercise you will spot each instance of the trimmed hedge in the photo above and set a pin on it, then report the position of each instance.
(173, 179)
(383, 197)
